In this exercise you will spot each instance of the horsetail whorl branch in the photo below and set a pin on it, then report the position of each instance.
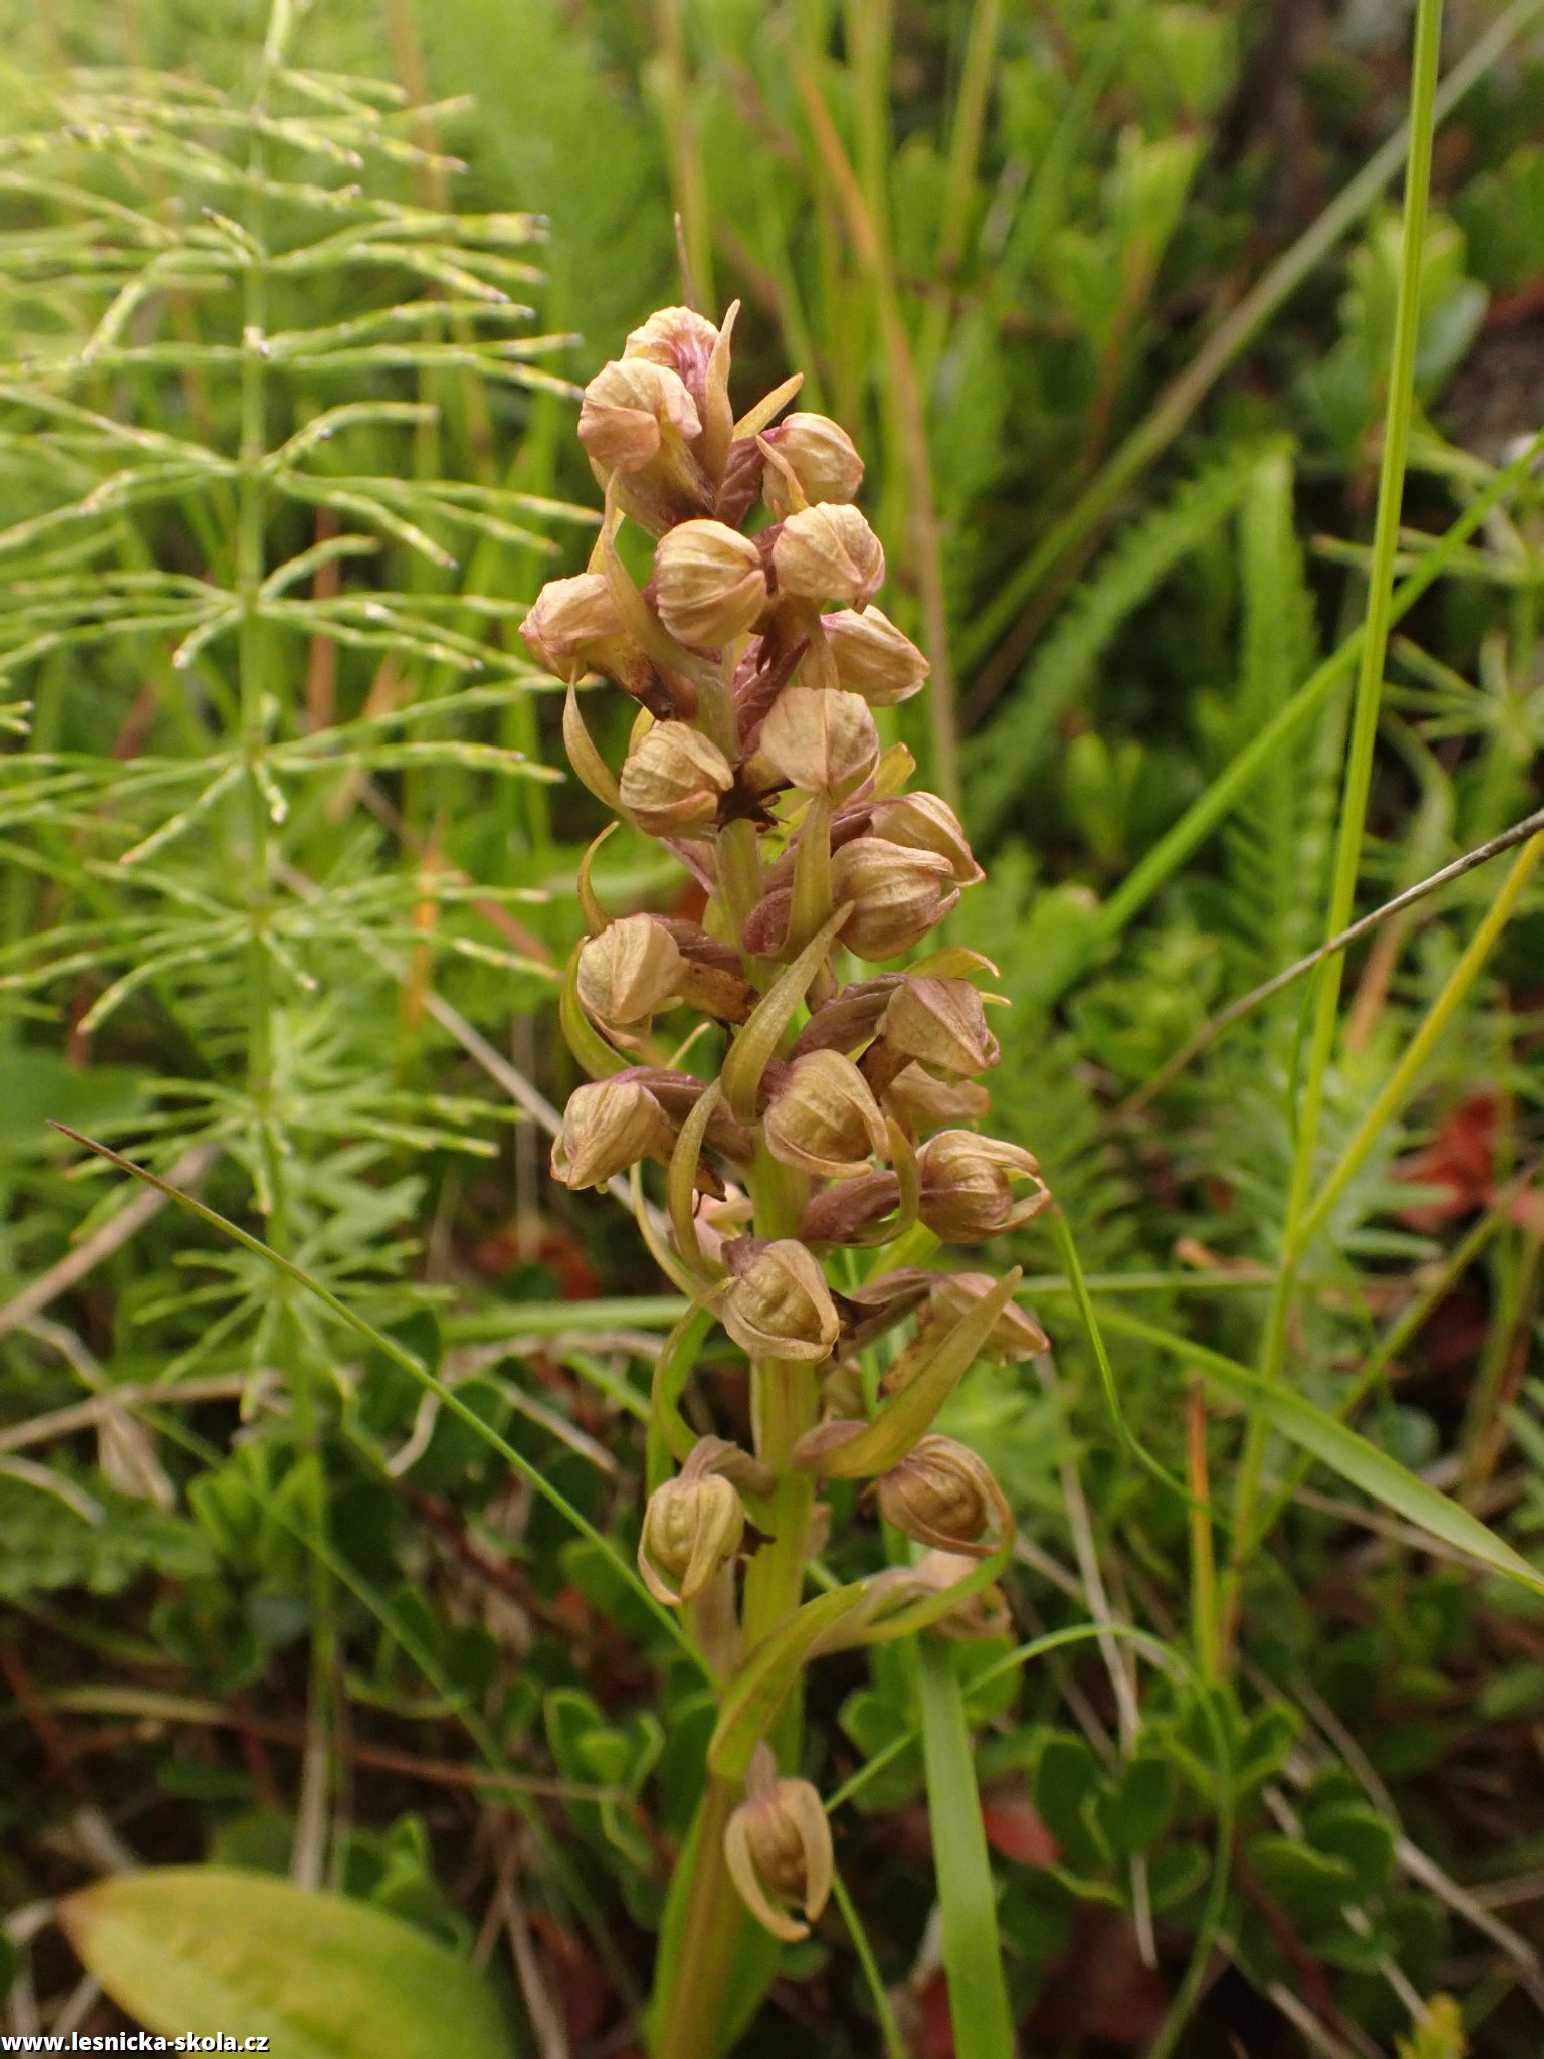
(756, 659)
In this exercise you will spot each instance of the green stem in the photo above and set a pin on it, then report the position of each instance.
(1358, 781)
(695, 2006)
(739, 865)
(262, 1071)
(719, 1958)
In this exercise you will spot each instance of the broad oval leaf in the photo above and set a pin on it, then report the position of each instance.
(203, 1949)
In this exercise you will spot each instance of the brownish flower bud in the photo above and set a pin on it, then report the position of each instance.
(873, 657)
(741, 483)
(777, 1847)
(778, 1304)
(822, 743)
(672, 780)
(682, 340)
(708, 582)
(639, 425)
(1016, 1336)
(692, 1526)
(920, 1101)
(925, 823)
(822, 458)
(630, 409)
(940, 1023)
(851, 1018)
(846, 1211)
(573, 627)
(898, 895)
(982, 1614)
(823, 1119)
(608, 1126)
(944, 1494)
(868, 1311)
(967, 1186)
(828, 554)
(631, 969)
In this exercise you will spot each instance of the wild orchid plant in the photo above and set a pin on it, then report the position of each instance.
(835, 1124)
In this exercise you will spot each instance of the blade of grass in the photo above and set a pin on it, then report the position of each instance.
(568, 1878)
(1400, 1332)
(1344, 1451)
(979, 2011)
(1358, 779)
(1227, 1018)
(894, 2045)
(1402, 1081)
(1171, 1661)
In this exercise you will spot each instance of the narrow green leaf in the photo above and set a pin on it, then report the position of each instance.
(759, 1037)
(681, 1181)
(897, 1426)
(979, 2011)
(758, 1690)
(590, 768)
(1347, 1453)
(321, 1977)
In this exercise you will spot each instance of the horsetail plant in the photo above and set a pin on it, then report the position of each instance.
(836, 1125)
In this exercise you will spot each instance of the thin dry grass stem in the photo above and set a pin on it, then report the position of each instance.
(1235, 1012)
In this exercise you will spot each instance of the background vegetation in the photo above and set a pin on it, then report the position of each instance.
(1108, 290)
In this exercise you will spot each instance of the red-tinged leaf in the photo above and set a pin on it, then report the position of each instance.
(1015, 1827)
(934, 2034)
(1460, 1160)
(1101, 1989)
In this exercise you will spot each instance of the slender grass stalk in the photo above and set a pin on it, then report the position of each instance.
(1166, 1657)
(1203, 1558)
(1483, 1435)
(967, 127)
(399, 1356)
(1395, 1338)
(567, 1877)
(1405, 1077)
(1235, 1012)
(908, 435)
(687, 170)
(979, 2011)
(1358, 778)
(891, 2039)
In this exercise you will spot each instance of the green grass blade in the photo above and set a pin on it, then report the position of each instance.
(973, 1962)
(1381, 1478)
